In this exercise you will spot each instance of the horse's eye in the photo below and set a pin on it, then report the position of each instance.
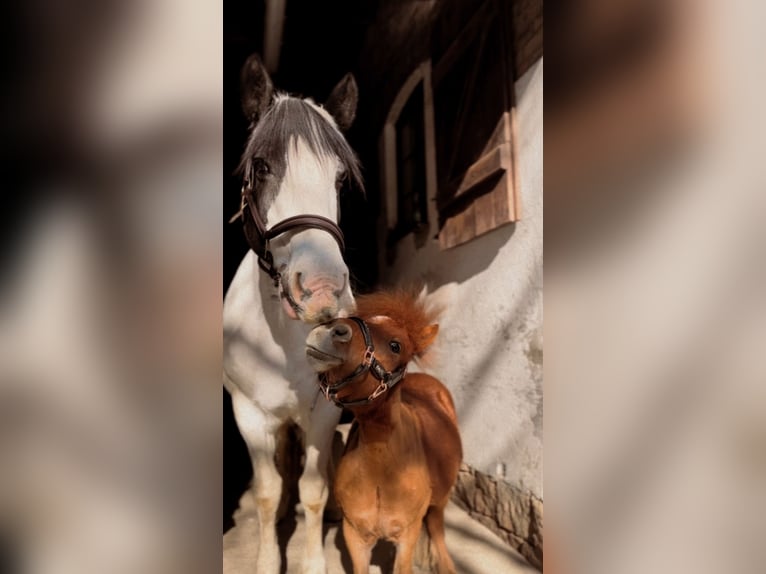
(340, 179)
(261, 168)
(395, 347)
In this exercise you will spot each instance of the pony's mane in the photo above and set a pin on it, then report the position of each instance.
(288, 119)
(407, 306)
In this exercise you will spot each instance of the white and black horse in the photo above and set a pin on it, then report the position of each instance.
(293, 278)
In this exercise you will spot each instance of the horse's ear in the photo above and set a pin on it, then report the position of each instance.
(427, 336)
(342, 102)
(256, 88)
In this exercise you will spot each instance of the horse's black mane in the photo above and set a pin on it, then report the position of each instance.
(288, 119)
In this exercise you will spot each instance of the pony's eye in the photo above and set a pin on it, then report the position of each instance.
(261, 168)
(395, 347)
(340, 179)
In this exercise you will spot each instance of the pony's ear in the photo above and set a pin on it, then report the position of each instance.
(342, 102)
(256, 88)
(426, 338)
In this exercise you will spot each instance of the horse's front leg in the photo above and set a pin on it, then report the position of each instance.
(259, 433)
(312, 486)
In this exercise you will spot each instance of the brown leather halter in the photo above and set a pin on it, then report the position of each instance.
(369, 364)
(258, 236)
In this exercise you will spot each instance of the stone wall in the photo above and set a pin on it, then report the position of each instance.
(514, 515)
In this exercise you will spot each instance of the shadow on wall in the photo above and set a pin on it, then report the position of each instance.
(472, 258)
(455, 265)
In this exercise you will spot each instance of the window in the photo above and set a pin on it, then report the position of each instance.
(474, 121)
(412, 202)
(448, 149)
(408, 160)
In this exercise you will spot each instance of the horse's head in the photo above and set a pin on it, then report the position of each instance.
(357, 355)
(295, 162)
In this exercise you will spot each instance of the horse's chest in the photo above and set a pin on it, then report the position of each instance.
(273, 374)
(265, 367)
(380, 499)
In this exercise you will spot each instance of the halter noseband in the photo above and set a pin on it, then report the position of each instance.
(258, 236)
(369, 364)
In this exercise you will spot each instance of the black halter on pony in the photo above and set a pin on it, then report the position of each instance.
(369, 364)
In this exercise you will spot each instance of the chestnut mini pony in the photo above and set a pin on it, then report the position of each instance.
(404, 449)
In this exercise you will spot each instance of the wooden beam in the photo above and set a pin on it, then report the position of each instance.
(274, 26)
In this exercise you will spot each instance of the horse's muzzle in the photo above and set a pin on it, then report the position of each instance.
(322, 307)
(319, 300)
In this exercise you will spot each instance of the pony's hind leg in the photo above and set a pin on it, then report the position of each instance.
(313, 486)
(435, 526)
(259, 433)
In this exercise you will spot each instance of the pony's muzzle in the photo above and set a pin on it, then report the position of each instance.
(323, 345)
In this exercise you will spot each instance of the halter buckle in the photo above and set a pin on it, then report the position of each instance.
(382, 388)
(369, 355)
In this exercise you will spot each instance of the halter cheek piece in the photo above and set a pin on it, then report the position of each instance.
(258, 236)
(369, 364)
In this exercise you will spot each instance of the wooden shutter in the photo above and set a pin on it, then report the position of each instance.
(474, 120)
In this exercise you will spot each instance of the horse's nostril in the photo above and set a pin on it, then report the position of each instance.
(341, 332)
(339, 292)
(304, 293)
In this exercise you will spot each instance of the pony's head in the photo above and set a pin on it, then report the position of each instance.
(400, 326)
(295, 161)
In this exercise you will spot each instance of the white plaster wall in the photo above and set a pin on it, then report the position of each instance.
(490, 342)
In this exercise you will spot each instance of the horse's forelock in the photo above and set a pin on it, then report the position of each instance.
(289, 119)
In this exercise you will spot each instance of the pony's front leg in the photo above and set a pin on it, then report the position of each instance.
(359, 547)
(259, 433)
(405, 548)
(312, 486)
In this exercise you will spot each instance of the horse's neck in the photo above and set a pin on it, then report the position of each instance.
(380, 421)
(253, 308)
